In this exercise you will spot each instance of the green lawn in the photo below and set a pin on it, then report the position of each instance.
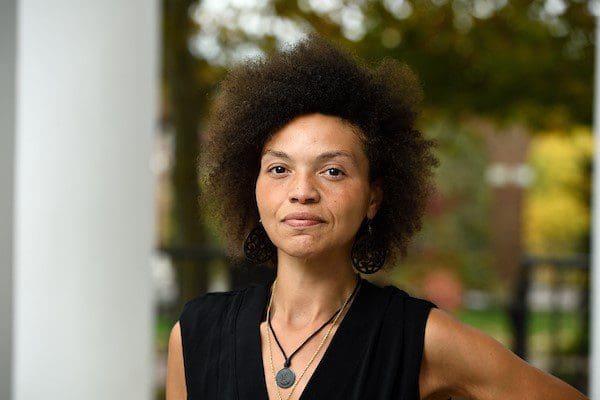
(566, 328)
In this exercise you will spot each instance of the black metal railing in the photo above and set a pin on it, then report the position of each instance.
(555, 278)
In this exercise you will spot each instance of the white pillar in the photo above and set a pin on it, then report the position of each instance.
(594, 365)
(86, 100)
(7, 142)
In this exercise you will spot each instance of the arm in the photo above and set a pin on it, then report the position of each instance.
(460, 360)
(176, 389)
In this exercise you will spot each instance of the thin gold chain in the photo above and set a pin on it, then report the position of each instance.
(313, 356)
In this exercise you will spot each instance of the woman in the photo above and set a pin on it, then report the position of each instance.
(313, 164)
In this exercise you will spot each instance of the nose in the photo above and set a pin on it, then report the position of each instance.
(303, 189)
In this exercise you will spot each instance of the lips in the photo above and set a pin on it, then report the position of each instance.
(302, 219)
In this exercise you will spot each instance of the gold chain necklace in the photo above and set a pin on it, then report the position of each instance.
(315, 353)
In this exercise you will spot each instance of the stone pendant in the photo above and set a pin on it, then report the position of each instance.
(285, 378)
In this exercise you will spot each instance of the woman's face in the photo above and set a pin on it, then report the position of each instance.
(313, 187)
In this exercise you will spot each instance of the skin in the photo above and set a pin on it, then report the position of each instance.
(317, 164)
(461, 361)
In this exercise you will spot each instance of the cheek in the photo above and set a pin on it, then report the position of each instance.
(350, 207)
(259, 194)
(266, 197)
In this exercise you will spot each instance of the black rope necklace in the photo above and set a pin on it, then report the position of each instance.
(286, 377)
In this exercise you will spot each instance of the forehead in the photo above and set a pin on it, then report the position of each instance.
(315, 133)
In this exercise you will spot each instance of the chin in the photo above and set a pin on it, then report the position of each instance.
(301, 250)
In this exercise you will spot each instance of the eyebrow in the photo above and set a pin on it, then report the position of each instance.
(321, 157)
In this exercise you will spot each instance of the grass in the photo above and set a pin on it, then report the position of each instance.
(543, 327)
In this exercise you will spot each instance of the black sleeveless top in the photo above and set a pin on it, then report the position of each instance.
(374, 354)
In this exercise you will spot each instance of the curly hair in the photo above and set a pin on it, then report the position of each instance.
(260, 96)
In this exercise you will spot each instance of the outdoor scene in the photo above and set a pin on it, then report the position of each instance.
(508, 96)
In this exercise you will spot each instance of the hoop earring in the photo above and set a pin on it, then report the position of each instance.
(368, 256)
(258, 248)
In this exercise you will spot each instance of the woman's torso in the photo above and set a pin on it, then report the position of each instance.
(375, 352)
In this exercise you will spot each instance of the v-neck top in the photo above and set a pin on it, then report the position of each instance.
(375, 353)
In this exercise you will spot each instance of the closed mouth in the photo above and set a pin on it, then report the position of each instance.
(303, 216)
(302, 222)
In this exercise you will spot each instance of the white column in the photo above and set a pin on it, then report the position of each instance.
(594, 365)
(86, 100)
(7, 144)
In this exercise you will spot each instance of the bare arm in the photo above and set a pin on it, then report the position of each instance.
(176, 389)
(461, 360)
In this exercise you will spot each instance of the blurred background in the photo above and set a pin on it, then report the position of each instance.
(505, 245)
(508, 89)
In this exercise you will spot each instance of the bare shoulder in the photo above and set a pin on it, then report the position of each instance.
(459, 360)
(175, 385)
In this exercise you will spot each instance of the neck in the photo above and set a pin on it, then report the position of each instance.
(308, 292)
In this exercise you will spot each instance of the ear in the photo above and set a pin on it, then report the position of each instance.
(375, 198)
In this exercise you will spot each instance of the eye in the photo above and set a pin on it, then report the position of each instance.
(277, 170)
(336, 172)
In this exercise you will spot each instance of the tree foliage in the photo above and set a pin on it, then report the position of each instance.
(529, 61)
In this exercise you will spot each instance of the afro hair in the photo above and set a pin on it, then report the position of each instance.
(260, 96)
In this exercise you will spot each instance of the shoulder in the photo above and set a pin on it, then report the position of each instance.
(444, 358)
(208, 301)
(202, 313)
(461, 360)
(411, 306)
(401, 309)
(395, 291)
(211, 299)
